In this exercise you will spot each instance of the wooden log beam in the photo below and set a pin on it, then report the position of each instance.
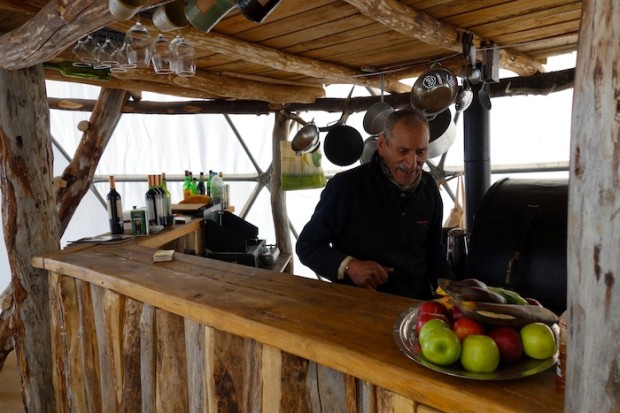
(55, 27)
(30, 223)
(420, 26)
(266, 56)
(77, 177)
(230, 87)
(593, 362)
(7, 334)
(538, 84)
(278, 197)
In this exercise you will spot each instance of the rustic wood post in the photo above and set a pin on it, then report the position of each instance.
(593, 361)
(278, 197)
(31, 226)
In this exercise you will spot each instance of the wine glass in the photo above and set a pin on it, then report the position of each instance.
(108, 53)
(87, 54)
(162, 61)
(184, 58)
(123, 59)
(139, 45)
(79, 51)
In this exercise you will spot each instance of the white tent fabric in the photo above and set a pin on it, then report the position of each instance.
(524, 132)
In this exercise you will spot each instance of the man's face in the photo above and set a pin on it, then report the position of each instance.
(405, 153)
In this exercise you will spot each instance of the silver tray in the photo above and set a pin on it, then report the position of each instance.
(406, 338)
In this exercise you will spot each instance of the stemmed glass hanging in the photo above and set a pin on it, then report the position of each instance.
(162, 56)
(184, 57)
(79, 51)
(85, 52)
(139, 45)
(107, 54)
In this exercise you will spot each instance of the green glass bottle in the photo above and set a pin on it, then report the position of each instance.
(67, 69)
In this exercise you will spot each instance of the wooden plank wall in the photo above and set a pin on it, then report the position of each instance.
(114, 354)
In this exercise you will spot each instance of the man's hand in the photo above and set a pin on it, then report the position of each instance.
(368, 274)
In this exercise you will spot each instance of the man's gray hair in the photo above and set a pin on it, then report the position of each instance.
(408, 116)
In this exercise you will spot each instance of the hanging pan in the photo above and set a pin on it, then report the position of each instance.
(434, 91)
(377, 114)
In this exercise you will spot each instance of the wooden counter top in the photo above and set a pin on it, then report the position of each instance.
(345, 328)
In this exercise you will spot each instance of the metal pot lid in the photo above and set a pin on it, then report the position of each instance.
(343, 145)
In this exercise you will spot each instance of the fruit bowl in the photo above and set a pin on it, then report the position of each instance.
(406, 337)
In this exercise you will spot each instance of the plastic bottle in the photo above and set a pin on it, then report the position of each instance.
(217, 185)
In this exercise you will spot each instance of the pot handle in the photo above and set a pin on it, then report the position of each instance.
(343, 118)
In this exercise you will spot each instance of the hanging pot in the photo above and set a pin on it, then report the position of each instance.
(343, 145)
(442, 134)
(257, 10)
(306, 140)
(434, 91)
(375, 117)
(205, 14)
(369, 149)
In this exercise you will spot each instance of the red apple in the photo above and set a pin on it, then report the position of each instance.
(508, 341)
(466, 326)
(434, 307)
(456, 313)
(423, 318)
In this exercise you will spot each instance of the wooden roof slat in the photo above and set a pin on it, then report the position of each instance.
(429, 30)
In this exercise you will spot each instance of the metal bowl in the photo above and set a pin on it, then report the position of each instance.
(434, 91)
(306, 139)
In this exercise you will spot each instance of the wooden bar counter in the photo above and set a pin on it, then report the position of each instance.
(200, 335)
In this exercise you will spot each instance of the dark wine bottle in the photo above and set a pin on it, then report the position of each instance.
(115, 209)
(160, 199)
(164, 186)
(151, 203)
(201, 184)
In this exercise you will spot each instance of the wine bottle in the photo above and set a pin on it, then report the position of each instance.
(187, 186)
(192, 183)
(164, 186)
(67, 69)
(115, 209)
(160, 200)
(201, 184)
(209, 182)
(151, 203)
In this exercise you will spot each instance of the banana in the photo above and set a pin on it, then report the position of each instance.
(511, 297)
(470, 292)
(506, 314)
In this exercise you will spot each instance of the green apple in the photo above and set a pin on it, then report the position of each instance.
(441, 346)
(429, 326)
(480, 354)
(538, 341)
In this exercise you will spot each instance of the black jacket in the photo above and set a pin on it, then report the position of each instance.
(362, 214)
